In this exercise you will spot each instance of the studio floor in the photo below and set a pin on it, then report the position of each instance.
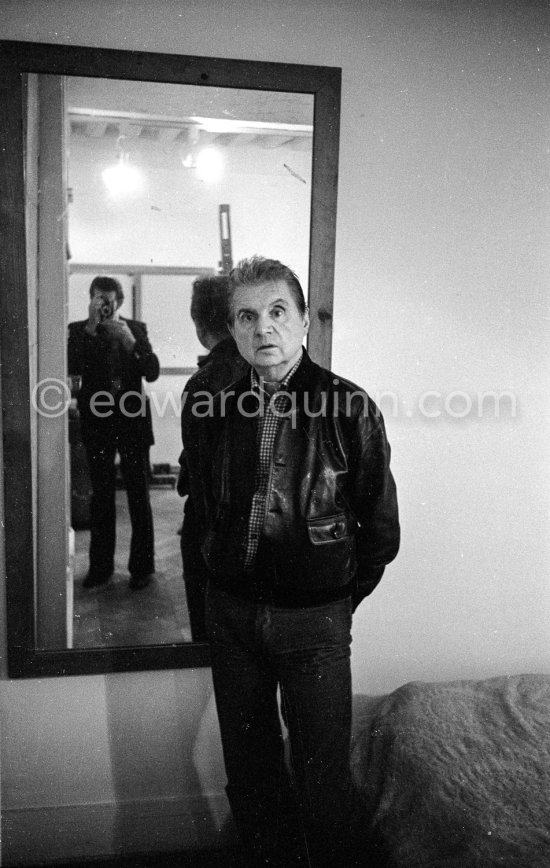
(112, 614)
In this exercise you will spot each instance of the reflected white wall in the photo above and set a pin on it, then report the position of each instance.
(174, 219)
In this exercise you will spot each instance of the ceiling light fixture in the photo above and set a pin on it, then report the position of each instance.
(206, 160)
(122, 179)
(209, 165)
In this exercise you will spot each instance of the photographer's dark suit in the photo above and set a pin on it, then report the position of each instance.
(115, 416)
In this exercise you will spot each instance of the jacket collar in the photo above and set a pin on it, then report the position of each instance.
(303, 377)
(224, 349)
(300, 381)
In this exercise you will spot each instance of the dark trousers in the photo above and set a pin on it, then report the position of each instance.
(305, 817)
(195, 573)
(134, 464)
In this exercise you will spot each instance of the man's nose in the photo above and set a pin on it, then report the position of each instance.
(263, 324)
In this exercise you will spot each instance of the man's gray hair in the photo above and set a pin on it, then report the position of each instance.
(258, 270)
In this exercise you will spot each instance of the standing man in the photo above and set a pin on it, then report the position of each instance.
(222, 366)
(111, 355)
(298, 520)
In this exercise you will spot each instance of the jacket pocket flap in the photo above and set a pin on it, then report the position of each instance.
(329, 529)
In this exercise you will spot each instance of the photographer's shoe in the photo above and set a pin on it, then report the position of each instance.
(139, 581)
(94, 579)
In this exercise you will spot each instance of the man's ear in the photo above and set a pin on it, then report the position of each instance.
(231, 328)
(306, 320)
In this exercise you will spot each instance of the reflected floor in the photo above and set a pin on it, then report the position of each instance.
(113, 615)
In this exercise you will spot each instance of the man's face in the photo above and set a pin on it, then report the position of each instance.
(268, 327)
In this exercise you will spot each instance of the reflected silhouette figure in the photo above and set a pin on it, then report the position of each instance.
(222, 366)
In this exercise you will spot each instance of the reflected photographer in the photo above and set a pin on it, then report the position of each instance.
(112, 355)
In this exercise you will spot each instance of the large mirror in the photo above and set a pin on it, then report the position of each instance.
(155, 170)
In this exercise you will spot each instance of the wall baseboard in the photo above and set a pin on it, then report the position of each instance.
(61, 834)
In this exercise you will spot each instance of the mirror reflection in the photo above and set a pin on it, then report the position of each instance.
(165, 184)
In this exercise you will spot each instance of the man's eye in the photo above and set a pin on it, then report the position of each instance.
(245, 318)
(278, 312)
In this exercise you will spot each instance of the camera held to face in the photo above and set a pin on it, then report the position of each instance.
(106, 309)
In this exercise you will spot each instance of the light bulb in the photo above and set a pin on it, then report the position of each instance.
(209, 165)
(122, 179)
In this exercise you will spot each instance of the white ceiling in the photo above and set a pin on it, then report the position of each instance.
(107, 107)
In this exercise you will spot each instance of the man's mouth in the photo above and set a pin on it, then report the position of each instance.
(266, 347)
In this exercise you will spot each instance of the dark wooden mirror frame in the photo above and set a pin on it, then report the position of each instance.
(16, 60)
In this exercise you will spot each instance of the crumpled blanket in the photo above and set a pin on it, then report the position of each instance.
(457, 774)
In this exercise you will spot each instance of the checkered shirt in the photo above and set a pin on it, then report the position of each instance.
(268, 425)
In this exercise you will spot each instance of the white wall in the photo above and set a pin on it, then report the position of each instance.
(442, 263)
(442, 284)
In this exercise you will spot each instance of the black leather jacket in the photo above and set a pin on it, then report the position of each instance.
(331, 521)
